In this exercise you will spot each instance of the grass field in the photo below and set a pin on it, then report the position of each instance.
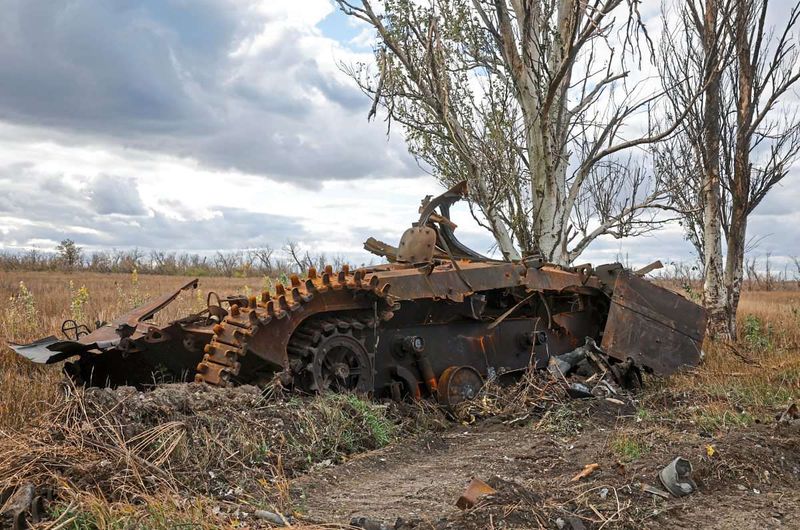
(36, 303)
(735, 388)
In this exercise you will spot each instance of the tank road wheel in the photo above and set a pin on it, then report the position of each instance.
(458, 384)
(334, 356)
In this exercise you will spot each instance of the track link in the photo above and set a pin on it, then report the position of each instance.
(265, 324)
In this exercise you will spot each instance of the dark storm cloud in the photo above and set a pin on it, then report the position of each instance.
(160, 75)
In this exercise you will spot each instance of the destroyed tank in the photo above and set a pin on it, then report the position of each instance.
(437, 319)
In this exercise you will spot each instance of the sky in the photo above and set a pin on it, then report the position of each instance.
(206, 125)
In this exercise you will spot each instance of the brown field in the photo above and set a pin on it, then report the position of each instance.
(25, 389)
(728, 403)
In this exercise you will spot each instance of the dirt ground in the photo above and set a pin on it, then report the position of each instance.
(751, 481)
(325, 460)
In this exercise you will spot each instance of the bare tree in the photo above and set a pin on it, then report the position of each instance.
(796, 262)
(263, 257)
(695, 53)
(528, 100)
(738, 142)
(302, 261)
(228, 262)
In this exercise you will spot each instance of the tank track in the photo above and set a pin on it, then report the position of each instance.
(247, 328)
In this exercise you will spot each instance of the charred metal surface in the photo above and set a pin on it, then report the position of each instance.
(130, 349)
(654, 327)
(436, 320)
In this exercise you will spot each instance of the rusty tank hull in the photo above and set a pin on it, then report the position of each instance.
(435, 320)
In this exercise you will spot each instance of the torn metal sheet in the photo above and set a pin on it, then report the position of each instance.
(38, 351)
(656, 328)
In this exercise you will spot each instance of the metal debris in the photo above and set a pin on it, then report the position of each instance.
(19, 505)
(436, 320)
(676, 477)
(587, 470)
(474, 491)
(271, 517)
(579, 391)
(655, 491)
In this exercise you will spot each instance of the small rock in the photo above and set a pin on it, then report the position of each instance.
(604, 493)
(272, 517)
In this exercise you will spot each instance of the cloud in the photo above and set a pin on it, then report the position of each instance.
(223, 124)
(107, 211)
(116, 195)
(246, 85)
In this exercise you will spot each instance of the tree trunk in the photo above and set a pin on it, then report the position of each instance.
(714, 298)
(547, 153)
(734, 270)
(734, 263)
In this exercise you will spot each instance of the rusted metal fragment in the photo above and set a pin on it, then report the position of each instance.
(474, 491)
(458, 384)
(148, 310)
(658, 329)
(131, 350)
(417, 245)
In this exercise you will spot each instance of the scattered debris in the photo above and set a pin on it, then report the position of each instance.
(579, 391)
(564, 363)
(18, 505)
(272, 517)
(587, 470)
(572, 523)
(676, 477)
(647, 488)
(475, 489)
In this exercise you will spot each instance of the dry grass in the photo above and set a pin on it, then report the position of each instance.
(738, 384)
(185, 454)
(735, 386)
(36, 303)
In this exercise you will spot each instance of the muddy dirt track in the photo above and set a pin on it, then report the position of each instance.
(751, 481)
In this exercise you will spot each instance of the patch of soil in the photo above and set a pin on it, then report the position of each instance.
(751, 481)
